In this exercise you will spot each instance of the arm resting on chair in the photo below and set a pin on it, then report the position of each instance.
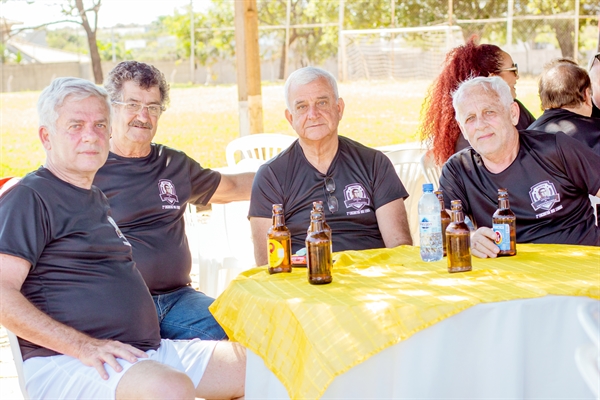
(233, 187)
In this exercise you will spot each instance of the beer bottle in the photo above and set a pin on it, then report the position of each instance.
(445, 218)
(459, 240)
(318, 252)
(318, 207)
(504, 225)
(279, 243)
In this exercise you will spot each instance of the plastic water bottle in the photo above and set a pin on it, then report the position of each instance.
(430, 225)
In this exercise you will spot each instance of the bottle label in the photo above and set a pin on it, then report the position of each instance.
(429, 224)
(502, 239)
(276, 253)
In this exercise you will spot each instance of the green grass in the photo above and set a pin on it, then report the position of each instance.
(201, 120)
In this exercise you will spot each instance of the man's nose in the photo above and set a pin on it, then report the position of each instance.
(313, 111)
(143, 114)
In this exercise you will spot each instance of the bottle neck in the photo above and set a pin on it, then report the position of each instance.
(316, 224)
(278, 220)
(503, 203)
(457, 215)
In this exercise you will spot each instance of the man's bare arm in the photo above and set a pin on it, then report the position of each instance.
(21, 317)
(233, 187)
(259, 227)
(393, 224)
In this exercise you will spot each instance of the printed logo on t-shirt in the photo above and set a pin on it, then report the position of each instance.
(356, 197)
(167, 193)
(119, 233)
(543, 196)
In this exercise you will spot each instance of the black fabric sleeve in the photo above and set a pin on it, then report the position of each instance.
(581, 164)
(25, 228)
(452, 185)
(266, 191)
(204, 182)
(387, 186)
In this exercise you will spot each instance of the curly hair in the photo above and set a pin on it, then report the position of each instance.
(144, 75)
(438, 129)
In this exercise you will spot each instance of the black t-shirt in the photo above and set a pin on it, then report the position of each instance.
(82, 272)
(147, 198)
(365, 180)
(548, 186)
(525, 119)
(595, 111)
(582, 128)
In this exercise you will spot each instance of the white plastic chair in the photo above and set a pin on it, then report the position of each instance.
(261, 146)
(596, 205)
(407, 163)
(18, 359)
(587, 356)
(430, 170)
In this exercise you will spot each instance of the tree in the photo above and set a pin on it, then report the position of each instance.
(78, 12)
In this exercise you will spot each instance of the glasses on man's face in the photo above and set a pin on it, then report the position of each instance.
(134, 108)
(332, 201)
(514, 68)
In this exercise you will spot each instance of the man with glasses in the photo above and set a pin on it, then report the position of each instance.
(595, 78)
(565, 92)
(362, 194)
(149, 187)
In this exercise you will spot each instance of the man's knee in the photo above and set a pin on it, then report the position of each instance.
(153, 380)
(225, 374)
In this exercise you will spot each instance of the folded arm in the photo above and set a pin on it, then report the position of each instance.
(393, 224)
(21, 317)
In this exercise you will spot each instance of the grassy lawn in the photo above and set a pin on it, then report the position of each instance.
(202, 120)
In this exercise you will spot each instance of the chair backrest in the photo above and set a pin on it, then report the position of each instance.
(596, 206)
(261, 146)
(18, 359)
(430, 170)
(407, 163)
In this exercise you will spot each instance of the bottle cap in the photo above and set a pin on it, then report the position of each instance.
(428, 187)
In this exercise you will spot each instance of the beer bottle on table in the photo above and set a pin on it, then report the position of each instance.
(445, 218)
(458, 240)
(318, 207)
(318, 251)
(279, 243)
(504, 224)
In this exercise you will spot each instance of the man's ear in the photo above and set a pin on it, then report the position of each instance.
(44, 135)
(289, 116)
(587, 98)
(341, 106)
(514, 113)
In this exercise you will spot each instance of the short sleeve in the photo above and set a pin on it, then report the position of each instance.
(452, 185)
(25, 227)
(581, 164)
(387, 186)
(204, 182)
(266, 191)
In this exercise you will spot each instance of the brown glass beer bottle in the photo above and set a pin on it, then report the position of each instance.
(318, 252)
(318, 207)
(504, 224)
(459, 240)
(445, 218)
(279, 243)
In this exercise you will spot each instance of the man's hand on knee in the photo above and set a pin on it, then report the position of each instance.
(482, 243)
(96, 352)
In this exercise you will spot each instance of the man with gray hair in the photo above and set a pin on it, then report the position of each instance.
(69, 287)
(362, 193)
(565, 92)
(548, 177)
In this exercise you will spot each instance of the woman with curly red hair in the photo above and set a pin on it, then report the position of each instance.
(438, 128)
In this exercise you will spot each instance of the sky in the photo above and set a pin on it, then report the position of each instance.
(112, 12)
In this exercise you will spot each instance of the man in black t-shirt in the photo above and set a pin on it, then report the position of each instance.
(548, 177)
(595, 79)
(565, 92)
(362, 194)
(69, 287)
(149, 187)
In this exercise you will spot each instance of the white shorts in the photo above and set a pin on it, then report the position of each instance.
(65, 377)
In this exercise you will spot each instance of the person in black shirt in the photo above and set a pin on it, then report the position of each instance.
(359, 187)
(148, 187)
(69, 287)
(595, 78)
(549, 177)
(565, 92)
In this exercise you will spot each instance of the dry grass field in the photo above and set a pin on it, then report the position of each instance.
(201, 120)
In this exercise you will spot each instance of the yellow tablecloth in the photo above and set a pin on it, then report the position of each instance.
(307, 334)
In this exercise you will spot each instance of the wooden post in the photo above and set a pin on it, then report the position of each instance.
(248, 67)
(192, 45)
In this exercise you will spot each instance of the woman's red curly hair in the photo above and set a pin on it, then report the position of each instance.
(438, 127)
